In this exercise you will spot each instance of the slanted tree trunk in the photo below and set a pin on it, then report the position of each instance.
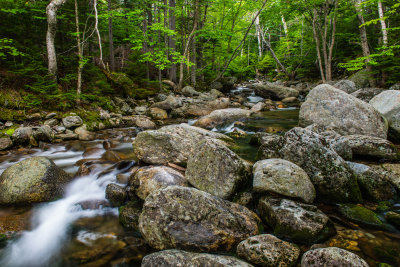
(51, 13)
(364, 40)
(96, 27)
(80, 55)
(111, 37)
(258, 33)
(171, 39)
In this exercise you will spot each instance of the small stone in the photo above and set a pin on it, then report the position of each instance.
(115, 194)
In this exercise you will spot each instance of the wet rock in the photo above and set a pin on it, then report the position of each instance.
(170, 144)
(366, 94)
(110, 155)
(218, 117)
(148, 179)
(189, 91)
(22, 135)
(270, 144)
(290, 100)
(268, 250)
(36, 179)
(187, 218)
(297, 221)
(331, 256)
(5, 143)
(51, 122)
(72, 121)
(346, 86)
(43, 133)
(387, 103)
(115, 194)
(373, 184)
(84, 134)
(67, 136)
(129, 215)
(393, 217)
(258, 107)
(369, 146)
(173, 257)
(341, 112)
(144, 122)
(332, 178)
(214, 168)
(282, 177)
(274, 91)
(361, 215)
(158, 114)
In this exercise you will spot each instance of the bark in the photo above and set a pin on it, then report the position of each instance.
(111, 38)
(96, 27)
(51, 12)
(383, 24)
(317, 43)
(278, 62)
(171, 39)
(258, 33)
(80, 55)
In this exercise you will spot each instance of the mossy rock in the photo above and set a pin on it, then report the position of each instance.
(361, 215)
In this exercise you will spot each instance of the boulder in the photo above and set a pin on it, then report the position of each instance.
(341, 112)
(115, 194)
(43, 133)
(274, 91)
(129, 215)
(373, 183)
(51, 122)
(361, 215)
(5, 143)
(297, 221)
(387, 103)
(395, 86)
(148, 179)
(72, 122)
(331, 256)
(332, 178)
(269, 145)
(214, 168)
(158, 114)
(200, 108)
(346, 86)
(189, 91)
(50, 115)
(221, 116)
(216, 85)
(268, 250)
(168, 104)
(144, 122)
(369, 146)
(360, 78)
(84, 134)
(282, 177)
(173, 257)
(170, 144)
(141, 110)
(32, 180)
(258, 107)
(22, 135)
(190, 219)
(366, 94)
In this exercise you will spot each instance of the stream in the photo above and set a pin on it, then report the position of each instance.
(80, 229)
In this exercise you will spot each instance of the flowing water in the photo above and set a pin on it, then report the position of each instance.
(81, 229)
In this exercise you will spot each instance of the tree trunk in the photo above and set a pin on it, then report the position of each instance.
(171, 39)
(111, 38)
(383, 24)
(258, 33)
(51, 12)
(80, 55)
(96, 27)
(317, 44)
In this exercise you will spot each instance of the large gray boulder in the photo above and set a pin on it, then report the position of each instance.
(214, 168)
(268, 250)
(387, 103)
(282, 177)
(151, 178)
(218, 117)
(32, 180)
(341, 112)
(274, 91)
(181, 258)
(346, 86)
(72, 121)
(170, 144)
(334, 181)
(294, 220)
(331, 256)
(190, 219)
(369, 146)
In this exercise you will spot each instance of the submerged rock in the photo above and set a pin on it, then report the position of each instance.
(214, 168)
(296, 221)
(341, 112)
(268, 250)
(170, 144)
(331, 256)
(334, 181)
(187, 218)
(148, 179)
(173, 258)
(284, 178)
(36, 179)
(218, 117)
(361, 215)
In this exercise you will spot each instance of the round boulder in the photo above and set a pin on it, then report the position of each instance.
(282, 177)
(72, 121)
(36, 179)
(331, 256)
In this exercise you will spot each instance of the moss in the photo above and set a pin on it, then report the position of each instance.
(142, 93)
(361, 215)
(11, 115)
(383, 206)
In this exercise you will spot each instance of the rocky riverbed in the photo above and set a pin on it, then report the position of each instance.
(250, 176)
